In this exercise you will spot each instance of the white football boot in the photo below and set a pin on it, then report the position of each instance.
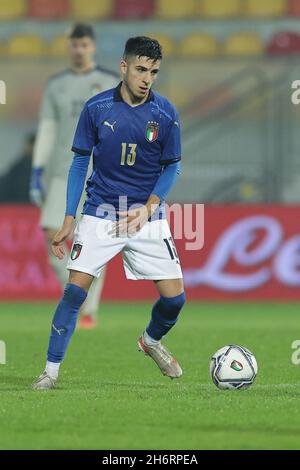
(163, 358)
(44, 382)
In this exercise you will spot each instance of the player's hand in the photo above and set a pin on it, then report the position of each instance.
(130, 222)
(57, 244)
(36, 191)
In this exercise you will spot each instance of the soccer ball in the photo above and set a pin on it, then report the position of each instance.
(233, 367)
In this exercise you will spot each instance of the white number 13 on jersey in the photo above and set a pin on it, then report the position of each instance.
(128, 158)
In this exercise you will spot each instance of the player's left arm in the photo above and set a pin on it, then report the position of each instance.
(133, 220)
(170, 160)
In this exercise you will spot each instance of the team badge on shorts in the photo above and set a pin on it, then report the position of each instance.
(152, 131)
(76, 250)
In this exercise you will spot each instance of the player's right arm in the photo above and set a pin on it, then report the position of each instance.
(84, 141)
(76, 180)
(44, 144)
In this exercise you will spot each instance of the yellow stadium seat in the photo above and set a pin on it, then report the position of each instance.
(26, 45)
(199, 45)
(175, 9)
(59, 47)
(167, 43)
(243, 44)
(12, 9)
(265, 8)
(219, 9)
(91, 10)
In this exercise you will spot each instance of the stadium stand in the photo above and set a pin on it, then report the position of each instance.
(219, 10)
(199, 45)
(294, 8)
(143, 9)
(12, 9)
(48, 9)
(133, 9)
(58, 47)
(284, 43)
(166, 42)
(98, 9)
(26, 45)
(265, 8)
(243, 44)
(192, 43)
(175, 9)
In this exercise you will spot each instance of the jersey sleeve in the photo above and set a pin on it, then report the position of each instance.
(171, 148)
(86, 136)
(48, 110)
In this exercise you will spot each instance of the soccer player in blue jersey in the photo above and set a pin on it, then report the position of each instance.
(133, 134)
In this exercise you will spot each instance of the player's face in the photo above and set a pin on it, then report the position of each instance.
(81, 50)
(139, 74)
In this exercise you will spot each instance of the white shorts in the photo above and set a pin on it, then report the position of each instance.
(54, 207)
(149, 254)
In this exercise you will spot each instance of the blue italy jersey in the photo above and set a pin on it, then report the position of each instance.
(130, 147)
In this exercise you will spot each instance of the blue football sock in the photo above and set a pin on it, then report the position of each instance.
(64, 322)
(165, 314)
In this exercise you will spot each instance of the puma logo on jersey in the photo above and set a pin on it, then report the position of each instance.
(106, 123)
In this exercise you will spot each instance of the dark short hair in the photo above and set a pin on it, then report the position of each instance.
(143, 46)
(81, 30)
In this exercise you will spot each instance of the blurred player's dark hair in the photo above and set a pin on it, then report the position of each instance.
(81, 30)
(143, 46)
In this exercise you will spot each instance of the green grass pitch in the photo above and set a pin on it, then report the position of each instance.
(111, 397)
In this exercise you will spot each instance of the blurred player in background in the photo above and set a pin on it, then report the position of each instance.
(64, 98)
(134, 133)
(19, 173)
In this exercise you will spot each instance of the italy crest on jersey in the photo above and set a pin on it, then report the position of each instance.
(152, 131)
(76, 251)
